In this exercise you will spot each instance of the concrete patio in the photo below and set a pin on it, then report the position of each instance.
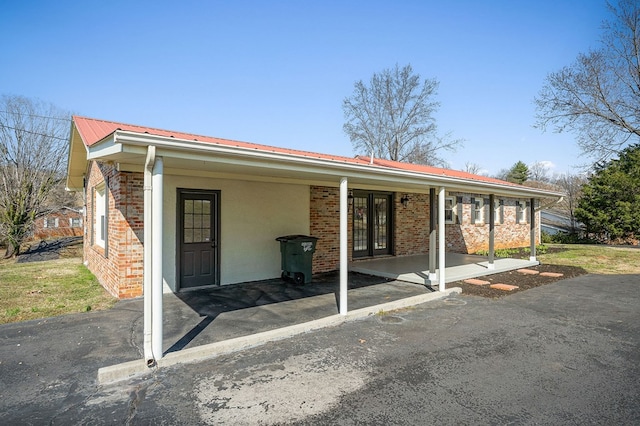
(415, 269)
(205, 323)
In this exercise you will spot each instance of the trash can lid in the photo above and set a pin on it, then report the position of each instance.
(295, 237)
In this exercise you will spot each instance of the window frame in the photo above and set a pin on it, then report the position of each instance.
(498, 211)
(453, 209)
(50, 222)
(522, 212)
(477, 211)
(100, 215)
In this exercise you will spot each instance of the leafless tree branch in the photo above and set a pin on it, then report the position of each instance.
(33, 154)
(598, 96)
(392, 118)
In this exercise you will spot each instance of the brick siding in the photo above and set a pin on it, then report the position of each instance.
(411, 227)
(64, 228)
(121, 271)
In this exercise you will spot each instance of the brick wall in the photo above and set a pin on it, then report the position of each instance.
(121, 270)
(471, 238)
(411, 227)
(324, 211)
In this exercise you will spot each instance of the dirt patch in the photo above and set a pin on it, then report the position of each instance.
(523, 281)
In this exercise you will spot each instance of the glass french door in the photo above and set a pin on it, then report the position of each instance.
(372, 227)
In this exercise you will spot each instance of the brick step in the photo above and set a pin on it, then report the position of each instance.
(528, 271)
(475, 281)
(505, 287)
(551, 274)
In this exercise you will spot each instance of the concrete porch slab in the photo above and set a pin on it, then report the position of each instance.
(318, 304)
(415, 269)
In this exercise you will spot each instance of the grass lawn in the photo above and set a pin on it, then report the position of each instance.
(595, 259)
(48, 288)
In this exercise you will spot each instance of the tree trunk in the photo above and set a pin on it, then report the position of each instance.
(12, 251)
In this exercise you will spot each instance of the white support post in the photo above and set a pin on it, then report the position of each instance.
(344, 246)
(492, 232)
(146, 274)
(532, 227)
(433, 244)
(156, 263)
(441, 239)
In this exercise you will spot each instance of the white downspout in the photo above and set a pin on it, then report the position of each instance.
(146, 275)
(156, 258)
(441, 238)
(344, 253)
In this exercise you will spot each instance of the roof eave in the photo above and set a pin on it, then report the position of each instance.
(333, 166)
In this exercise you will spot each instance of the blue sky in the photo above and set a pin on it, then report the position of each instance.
(276, 72)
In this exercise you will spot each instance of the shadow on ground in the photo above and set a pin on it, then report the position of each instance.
(210, 304)
(49, 250)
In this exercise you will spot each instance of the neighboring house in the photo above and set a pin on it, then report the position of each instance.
(63, 222)
(170, 211)
(554, 222)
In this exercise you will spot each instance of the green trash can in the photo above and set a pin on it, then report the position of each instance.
(297, 257)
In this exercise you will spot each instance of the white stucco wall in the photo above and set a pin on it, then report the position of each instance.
(253, 214)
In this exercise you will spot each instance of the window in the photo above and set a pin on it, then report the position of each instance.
(51, 222)
(75, 222)
(522, 209)
(477, 210)
(449, 210)
(99, 215)
(498, 206)
(197, 221)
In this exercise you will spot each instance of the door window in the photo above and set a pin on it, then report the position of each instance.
(197, 221)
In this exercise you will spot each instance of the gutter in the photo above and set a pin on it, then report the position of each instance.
(174, 144)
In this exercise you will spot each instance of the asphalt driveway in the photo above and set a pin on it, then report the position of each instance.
(567, 352)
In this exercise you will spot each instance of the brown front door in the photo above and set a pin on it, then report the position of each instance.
(199, 238)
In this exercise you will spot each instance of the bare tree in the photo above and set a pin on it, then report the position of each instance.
(473, 168)
(571, 185)
(33, 153)
(539, 172)
(502, 174)
(392, 118)
(598, 96)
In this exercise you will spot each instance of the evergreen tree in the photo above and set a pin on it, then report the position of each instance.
(519, 173)
(610, 203)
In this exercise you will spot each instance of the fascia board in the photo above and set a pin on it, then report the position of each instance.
(76, 161)
(104, 148)
(250, 157)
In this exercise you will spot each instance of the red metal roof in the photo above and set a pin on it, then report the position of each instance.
(430, 170)
(93, 130)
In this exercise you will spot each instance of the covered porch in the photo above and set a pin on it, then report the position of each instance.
(264, 192)
(415, 269)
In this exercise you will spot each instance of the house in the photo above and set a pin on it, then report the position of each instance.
(169, 211)
(553, 222)
(62, 222)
